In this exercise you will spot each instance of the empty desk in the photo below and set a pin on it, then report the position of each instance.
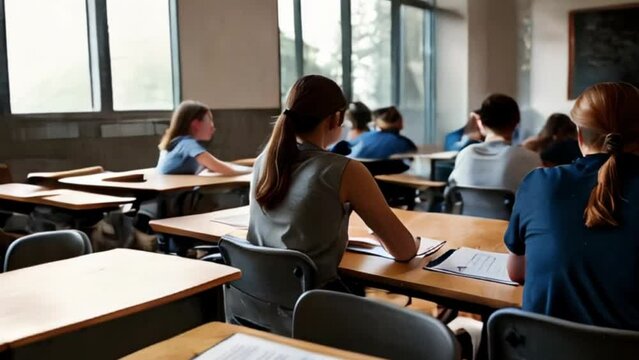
(105, 305)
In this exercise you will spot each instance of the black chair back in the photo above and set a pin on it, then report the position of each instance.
(362, 325)
(45, 247)
(517, 334)
(272, 281)
(482, 202)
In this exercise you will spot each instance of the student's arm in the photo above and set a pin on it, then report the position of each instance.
(214, 164)
(517, 268)
(360, 189)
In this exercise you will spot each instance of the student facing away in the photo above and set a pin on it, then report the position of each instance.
(556, 143)
(385, 142)
(359, 116)
(180, 150)
(574, 231)
(495, 163)
(302, 195)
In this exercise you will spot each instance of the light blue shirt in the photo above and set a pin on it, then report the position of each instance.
(179, 157)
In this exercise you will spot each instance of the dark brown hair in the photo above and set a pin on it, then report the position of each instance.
(359, 114)
(311, 100)
(558, 127)
(607, 116)
(389, 115)
(180, 125)
(500, 113)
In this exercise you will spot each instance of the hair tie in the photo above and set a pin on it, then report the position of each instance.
(613, 144)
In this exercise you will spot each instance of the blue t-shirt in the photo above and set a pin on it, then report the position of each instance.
(585, 275)
(179, 157)
(380, 145)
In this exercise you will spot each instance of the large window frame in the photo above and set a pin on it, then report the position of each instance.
(100, 71)
(396, 54)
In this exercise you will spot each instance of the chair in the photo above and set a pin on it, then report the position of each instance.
(481, 202)
(272, 281)
(517, 334)
(44, 247)
(358, 324)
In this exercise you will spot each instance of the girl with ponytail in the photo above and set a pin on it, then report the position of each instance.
(302, 195)
(574, 231)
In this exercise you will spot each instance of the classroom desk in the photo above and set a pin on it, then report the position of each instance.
(60, 198)
(105, 305)
(413, 181)
(53, 177)
(149, 180)
(245, 162)
(406, 278)
(193, 342)
(442, 155)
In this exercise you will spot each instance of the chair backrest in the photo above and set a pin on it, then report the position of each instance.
(517, 334)
(46, 246)
(272, 281)
(385, 166)
(484, 202)
(358, 324)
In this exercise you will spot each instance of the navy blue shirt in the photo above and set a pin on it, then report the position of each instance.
(380, 145)
(585, 275)
(179, 157)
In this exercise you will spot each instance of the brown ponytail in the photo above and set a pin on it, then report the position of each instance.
(607, 116)
(311, 99)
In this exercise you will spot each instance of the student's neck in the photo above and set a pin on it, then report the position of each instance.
(316, 139)
(491, 136)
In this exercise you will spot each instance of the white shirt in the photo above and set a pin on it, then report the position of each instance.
(494, 164)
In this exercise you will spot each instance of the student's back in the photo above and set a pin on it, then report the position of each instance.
(380, 145)
(574, 234)
(573, 272)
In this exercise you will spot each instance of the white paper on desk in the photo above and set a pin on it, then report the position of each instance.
(247, 347)
(478, 264)
(239, 170)
(240, 221)
(371, 246)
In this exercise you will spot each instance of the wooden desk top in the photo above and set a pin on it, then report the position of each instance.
(42, 301)
(61, 198)
(193, 342)
(413, 181)
(457, 230)
(150, 180)
(68, 173)
(246, 162)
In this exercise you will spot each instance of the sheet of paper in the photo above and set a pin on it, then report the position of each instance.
(478, 264)
(248, 347)
(369, 245)
(239, 170)
(240, 221)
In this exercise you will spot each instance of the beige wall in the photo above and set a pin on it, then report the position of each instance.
(549, 57)
(230, 53)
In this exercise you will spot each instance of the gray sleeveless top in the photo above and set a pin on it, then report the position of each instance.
(311, 218)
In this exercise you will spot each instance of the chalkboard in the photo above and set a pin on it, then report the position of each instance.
(604, 46)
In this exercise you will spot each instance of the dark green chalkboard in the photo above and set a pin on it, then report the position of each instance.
(604, 46)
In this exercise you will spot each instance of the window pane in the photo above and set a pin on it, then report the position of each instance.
(371, 57)
(48, 56)
(288, 70)
(140, 46)
(322, 34)
(412, 96)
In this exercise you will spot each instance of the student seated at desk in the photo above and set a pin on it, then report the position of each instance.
(574, 234)
(359, 116)
(468, 135)
(495, 163)
(302, 195)
(556, 143)
(180, 150)
(386, 141)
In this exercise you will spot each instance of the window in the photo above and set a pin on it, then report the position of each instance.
(371, 58)
(322, 36)
(82, 56)
(377, 50)
(140, 48)
(48, 56)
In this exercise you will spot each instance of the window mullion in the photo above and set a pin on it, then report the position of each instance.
(99, 40)
(347, 79)
(396, 49)
(299, 41)
(5, 103)
(175, 52)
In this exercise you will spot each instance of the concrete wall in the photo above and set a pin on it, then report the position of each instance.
(225, 62)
